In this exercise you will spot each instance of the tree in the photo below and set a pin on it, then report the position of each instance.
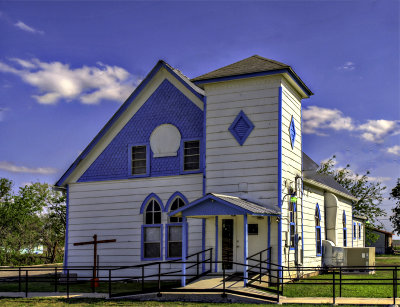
(369, 194)
(32, 217)
(395, 218)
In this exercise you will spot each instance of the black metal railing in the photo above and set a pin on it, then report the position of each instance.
(158, 277)
(340, 278)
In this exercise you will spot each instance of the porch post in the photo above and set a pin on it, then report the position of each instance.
(245, 249)
(184, 250)
(216, 243)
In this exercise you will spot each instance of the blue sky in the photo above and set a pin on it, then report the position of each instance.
(65, 68)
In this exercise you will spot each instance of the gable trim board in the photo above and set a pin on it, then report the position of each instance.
(128, 109)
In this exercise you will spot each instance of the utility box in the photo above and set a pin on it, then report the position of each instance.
(360, 256)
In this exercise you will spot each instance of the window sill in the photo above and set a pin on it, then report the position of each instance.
(150, 259)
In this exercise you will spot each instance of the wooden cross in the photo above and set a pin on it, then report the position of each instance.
(94, 242)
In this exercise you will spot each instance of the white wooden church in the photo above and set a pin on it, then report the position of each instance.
(210, 162)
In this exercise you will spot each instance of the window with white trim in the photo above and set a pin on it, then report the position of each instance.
(292, 225)
(139, 160)
(174, 231)
(359, 231)
(152, 235)
(318, 231)
(191, 155)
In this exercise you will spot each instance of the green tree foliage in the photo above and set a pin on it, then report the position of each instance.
(369, 194)
(32, 217)
(395, 218)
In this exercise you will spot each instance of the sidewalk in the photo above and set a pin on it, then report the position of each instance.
(196, 297)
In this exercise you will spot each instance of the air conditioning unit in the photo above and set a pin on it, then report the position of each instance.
(332, 255)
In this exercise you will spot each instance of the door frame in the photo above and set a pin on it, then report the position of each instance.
(234, 243)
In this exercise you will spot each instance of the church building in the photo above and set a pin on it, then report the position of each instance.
(214, 162)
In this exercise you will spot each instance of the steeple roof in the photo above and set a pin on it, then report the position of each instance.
(251, 66)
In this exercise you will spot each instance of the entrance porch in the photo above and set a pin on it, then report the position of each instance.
(234, 228)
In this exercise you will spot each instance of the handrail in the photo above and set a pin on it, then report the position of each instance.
(260, 252)
(158, 262)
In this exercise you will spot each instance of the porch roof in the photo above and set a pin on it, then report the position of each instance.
(220, 204)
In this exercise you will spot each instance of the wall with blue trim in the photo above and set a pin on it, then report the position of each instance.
(166, 105)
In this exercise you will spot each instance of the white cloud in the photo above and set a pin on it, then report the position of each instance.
(348, 66)
(24, 27)
(379, 179)
(376, 130)
(395, 150)
(56, 81)
(317, 120)
(10, 167)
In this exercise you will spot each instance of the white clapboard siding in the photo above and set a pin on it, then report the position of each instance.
(255, 163)
(312, 197)
(291, 167)
(111, 209)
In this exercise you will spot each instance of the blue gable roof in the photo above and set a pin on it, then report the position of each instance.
(167, 105)
(121, 110)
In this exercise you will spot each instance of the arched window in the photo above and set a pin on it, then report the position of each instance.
(152, 230)
(153, 213)
(292, 224)
(176, 204)
(344, 229)
(174, 230)
(318, 230)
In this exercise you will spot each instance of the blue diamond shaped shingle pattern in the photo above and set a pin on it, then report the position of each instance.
(241, 128)
(292, 132)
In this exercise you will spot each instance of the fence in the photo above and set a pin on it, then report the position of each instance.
(157, 277)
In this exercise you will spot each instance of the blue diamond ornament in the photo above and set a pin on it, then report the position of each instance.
(241, 128)
(292, 132)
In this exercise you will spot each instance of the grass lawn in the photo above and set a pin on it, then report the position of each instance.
(120, 303)
(48, 285)
(374, 289)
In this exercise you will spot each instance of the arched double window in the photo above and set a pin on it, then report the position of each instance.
(174, 227)
(344, 229)
(152, 228)
(318, 231)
